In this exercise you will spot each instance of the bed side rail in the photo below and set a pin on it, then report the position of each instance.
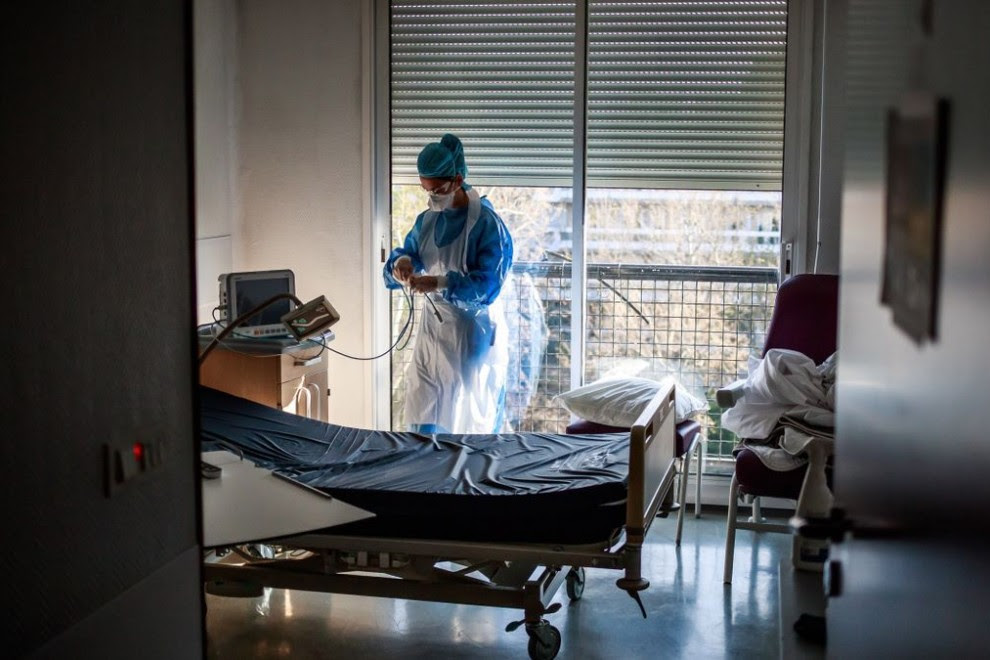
(651, 463)
(651, 475)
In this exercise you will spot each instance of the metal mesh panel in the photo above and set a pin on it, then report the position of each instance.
(698, 324)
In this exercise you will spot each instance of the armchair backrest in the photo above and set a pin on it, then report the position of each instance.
(805, 316)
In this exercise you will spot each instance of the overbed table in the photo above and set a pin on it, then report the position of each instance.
(247, 503)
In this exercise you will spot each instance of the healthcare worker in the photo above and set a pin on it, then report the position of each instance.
(459, 253)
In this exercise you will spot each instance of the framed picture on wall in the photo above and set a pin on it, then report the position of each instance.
(916, 142)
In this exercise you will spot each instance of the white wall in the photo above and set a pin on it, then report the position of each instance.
(214, 63)
(281, 135)
(813, 136)
(301, 137)
(824, 226)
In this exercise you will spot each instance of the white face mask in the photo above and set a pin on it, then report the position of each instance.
(441, 202)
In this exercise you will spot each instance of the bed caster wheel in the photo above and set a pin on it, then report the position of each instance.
(544, 640)
(575, 583)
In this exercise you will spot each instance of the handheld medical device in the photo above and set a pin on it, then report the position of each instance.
(242, 292)
(310, 319)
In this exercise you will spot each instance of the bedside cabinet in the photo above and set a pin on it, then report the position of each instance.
(294, 379)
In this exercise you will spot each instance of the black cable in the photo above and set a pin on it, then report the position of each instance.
(232, 349)
(213, 326)
(311, 340)
(228, 346)
(405, 327)
(218, 322)
(412, 311)
(605, 284)
(239, 335)
(243, 317)
(217, 339)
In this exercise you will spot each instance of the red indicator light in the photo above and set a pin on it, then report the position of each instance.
(138, 450)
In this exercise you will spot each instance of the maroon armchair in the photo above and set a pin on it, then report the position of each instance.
(805, 319)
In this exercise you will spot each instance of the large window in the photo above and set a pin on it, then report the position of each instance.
(665, 120)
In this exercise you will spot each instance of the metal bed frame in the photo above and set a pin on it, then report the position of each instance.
(513, 575)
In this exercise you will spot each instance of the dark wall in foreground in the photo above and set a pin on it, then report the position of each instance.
(95, 245)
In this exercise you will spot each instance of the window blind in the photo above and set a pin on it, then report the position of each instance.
(686, 94)
(499, 75)
(681, 93)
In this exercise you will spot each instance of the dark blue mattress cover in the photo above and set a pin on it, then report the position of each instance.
(521, 487)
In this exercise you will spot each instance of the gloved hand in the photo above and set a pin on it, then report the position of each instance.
(402, 269)
(423, 283)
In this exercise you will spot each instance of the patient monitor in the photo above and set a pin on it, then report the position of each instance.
(242, 292)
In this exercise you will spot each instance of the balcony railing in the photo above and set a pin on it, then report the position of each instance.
(697, 324)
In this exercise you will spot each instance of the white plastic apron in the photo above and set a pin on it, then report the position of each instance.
(456, 379)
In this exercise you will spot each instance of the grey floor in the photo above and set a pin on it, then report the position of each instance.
(691, 614)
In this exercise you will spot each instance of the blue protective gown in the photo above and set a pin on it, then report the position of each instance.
(456, 380)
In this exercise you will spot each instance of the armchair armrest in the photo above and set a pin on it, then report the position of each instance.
(727, 396)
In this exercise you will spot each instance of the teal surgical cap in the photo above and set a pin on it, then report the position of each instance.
(443, 159)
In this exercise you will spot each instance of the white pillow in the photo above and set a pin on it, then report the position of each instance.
(619, 401)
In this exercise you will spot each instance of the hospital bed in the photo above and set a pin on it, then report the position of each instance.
(502, 520)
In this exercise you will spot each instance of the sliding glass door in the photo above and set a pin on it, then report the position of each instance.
(642, 141)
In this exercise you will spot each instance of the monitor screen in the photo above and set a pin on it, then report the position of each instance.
(248, 294)
(246, 291)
